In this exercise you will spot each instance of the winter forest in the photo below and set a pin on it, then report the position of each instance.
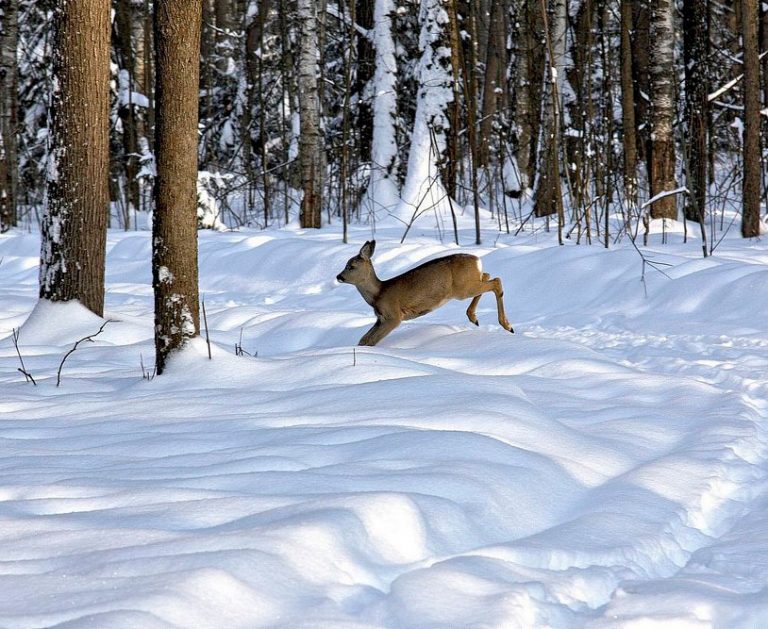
(221, 222)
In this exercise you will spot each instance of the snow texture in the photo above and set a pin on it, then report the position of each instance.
(605, 466)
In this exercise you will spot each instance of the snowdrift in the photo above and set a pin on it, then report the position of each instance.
(605, 466)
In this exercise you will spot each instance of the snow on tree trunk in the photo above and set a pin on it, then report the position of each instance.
(9, 37)
(423, 191)
(310, 161)
(74, 224)
(662, 74)
(382, 190)
(174, 230)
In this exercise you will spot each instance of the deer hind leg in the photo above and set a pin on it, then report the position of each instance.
(490, 285)
(380, 329)
(472, 310)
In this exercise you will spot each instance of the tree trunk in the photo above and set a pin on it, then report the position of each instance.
(174, 233)
(310, 140)
(750, 224)
(641, 46)
(662, 164)
(494, 79)
(9, 88)
(127, 109)
(530, 77)
(628, 107)
(549, 198)
(696, 53)
(74, 225)
(367, 66)
(382, 189)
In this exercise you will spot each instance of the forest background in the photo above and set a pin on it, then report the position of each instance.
(598, 116)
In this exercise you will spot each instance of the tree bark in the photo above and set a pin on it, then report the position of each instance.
(494, 88)
(310, 140)
(530, 78)
(366, 70)
(549, 198)
(696, 53)
(662, 163)
(9, 72)
(629, 128)
(127, 108)
(174, 234)
(641, 46)
(750, 224)
(75, 222)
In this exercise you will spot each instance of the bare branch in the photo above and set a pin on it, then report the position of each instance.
(22, 369)
(74, 347)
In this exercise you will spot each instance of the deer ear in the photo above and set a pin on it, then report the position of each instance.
(366, 251)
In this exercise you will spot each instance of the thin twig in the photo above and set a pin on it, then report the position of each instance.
(207, 337)
(27, 376)
(74, 347)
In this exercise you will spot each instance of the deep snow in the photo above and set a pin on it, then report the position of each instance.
(604, 467)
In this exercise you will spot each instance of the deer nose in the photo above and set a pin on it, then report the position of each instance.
(339, 278)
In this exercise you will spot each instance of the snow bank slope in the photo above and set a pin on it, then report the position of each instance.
(603, 467)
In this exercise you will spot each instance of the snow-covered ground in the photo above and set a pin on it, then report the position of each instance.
(605, 466)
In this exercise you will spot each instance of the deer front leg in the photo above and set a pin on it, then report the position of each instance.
(380, 329)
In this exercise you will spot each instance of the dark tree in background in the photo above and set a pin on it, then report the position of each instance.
(174, 233)
(9, 162)
(750, 225)
(307, 111)
(74, 227)
(695, 143)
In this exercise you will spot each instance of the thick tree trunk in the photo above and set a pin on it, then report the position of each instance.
(662, 162)
(310, 140)
(75, 221)
(696, 53)
(9, 72)
(750, 225)
(174, 233)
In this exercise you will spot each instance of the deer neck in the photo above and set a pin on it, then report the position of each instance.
(371, 289)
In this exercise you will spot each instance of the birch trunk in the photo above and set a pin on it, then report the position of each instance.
(310, 139)
(662, 75)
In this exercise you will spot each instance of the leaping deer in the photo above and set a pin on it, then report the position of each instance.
(420, 290)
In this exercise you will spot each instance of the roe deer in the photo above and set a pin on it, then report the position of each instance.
(420, 290)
